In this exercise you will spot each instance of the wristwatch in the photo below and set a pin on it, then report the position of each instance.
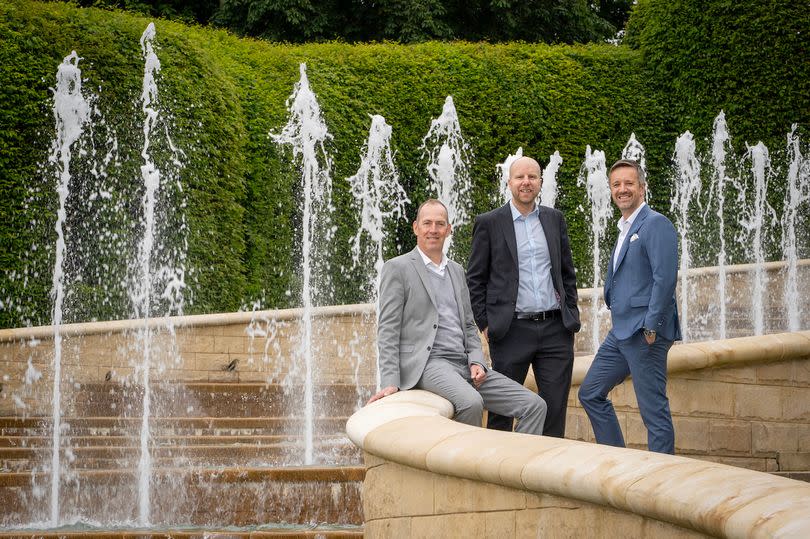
(649, 333)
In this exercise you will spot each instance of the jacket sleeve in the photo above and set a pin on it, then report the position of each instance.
(478, 272)
(569, 276)
(662, 251)
(389, 324)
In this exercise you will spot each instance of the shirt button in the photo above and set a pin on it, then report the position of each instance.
(435, 326)
(428, 348)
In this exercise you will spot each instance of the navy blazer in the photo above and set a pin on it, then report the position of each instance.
(641, 292)
(493, 274)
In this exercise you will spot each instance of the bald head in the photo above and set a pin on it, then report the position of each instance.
(524, 183)
(524, 161)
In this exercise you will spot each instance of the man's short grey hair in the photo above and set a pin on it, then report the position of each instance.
(642, 176)
(431, 201)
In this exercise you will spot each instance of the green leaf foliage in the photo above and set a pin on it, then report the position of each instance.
(747, 58)
(223, 96)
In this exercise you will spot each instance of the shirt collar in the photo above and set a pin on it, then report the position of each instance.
(429, 262)
(516, 213)
(632, 217)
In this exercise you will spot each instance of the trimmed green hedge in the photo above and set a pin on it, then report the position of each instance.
(227, 94)
(751, 59)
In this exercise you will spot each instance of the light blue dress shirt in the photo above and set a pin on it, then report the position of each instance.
(535, 288)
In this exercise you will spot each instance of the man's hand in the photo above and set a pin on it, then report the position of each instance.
(384, 392)
(478, 374)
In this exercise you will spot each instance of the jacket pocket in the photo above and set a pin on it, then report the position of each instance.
(639, 301)
(406, 349)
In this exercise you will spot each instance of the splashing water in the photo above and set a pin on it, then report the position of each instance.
(503, 170)
(306, 132)
(593, 175)
(720, 141)
(686, 191)
(142, 298)
(159, 280)
(797, 194)
(379, 196)
(448, 168)
(753, 221)
(381, 200)
(548, 191)
(635, 150)
(71, 111)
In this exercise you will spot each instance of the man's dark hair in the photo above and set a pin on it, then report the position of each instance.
(642, 176)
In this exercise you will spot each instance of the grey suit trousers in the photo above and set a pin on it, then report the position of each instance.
(497, 393)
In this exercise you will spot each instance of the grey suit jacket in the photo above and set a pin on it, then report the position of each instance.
(408, 319)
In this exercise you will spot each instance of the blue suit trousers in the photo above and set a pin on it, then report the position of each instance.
(647, 364)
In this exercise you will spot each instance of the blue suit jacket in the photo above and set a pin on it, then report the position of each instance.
(641, 292)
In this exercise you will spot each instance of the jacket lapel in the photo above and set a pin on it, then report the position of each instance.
(508, 229)
(642, 215)
(421, 270)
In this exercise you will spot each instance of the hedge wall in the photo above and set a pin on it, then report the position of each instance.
(226, 94)
(751, 59)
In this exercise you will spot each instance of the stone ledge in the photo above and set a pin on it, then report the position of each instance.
(197, 320)
(763, 349)
(413, 428)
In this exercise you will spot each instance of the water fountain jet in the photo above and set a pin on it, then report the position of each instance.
(686, 190)
(306, 132)
(449, 156)
(593, 176)
(381, 200)
(71, 111)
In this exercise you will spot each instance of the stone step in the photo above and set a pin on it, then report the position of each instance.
(180, 497)
(202, 389)
(167, 426)
(284, 532)
(158, 441)
(343, 455)
(22, 459)
(207, 399)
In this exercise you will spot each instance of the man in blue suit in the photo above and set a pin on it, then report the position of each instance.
(640, 293)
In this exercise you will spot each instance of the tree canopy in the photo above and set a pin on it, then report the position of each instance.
(403, 21)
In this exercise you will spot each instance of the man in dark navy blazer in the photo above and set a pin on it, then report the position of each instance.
(523, 291)
(640, 293)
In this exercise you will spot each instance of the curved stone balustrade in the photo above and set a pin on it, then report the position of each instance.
(703, 355)
(428, 474)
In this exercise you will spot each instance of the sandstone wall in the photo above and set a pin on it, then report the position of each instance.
(430, 477)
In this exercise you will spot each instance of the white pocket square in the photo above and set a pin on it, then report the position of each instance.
(634, 237)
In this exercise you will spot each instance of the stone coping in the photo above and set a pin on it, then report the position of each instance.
(413, 428)
(587, 293)
(719, 353)
(221, 319)
(196, 320)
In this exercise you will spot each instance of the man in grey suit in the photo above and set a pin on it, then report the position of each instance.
(427, 337)
(640, 293)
